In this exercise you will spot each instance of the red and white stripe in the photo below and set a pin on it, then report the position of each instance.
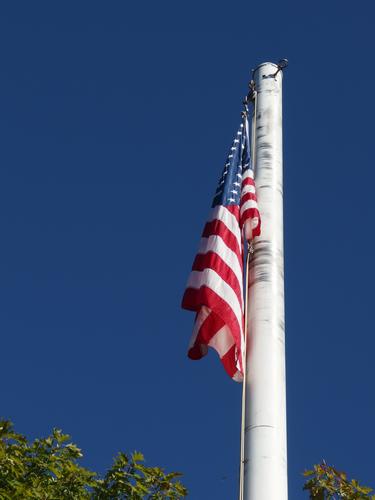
(215, 285)
(249, 213)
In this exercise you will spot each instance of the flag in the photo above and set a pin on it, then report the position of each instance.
(215, 286)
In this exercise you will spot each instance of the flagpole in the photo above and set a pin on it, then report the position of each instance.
(265, 450)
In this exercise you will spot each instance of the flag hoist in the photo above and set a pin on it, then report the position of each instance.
(246, 326)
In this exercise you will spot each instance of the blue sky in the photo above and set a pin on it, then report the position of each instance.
(115, 120)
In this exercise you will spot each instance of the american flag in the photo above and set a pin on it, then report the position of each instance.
(215, 285)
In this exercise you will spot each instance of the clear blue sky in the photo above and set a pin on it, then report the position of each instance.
(115, 120)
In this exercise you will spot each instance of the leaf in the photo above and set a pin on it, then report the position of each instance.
(308, 473)
(138, 457)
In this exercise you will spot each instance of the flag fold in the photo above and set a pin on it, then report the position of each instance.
(215, 286)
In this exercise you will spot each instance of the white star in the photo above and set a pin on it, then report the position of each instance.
(236, 183)
(231, 199)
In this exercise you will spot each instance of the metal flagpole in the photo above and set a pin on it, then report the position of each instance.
(265, 451)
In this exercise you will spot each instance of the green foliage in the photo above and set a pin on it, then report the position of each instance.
(48, 469)
(128, 478)
(326, 483)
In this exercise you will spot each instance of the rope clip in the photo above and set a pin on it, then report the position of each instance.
(251, 94)
(250, 247)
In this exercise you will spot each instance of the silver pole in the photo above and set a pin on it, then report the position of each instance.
(265, 468)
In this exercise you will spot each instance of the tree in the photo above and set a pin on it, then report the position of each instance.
(49, 469)
(327, 483)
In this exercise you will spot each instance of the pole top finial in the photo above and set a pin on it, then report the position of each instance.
(282, 64)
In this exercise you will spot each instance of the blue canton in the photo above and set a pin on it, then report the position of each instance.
(228, 191)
